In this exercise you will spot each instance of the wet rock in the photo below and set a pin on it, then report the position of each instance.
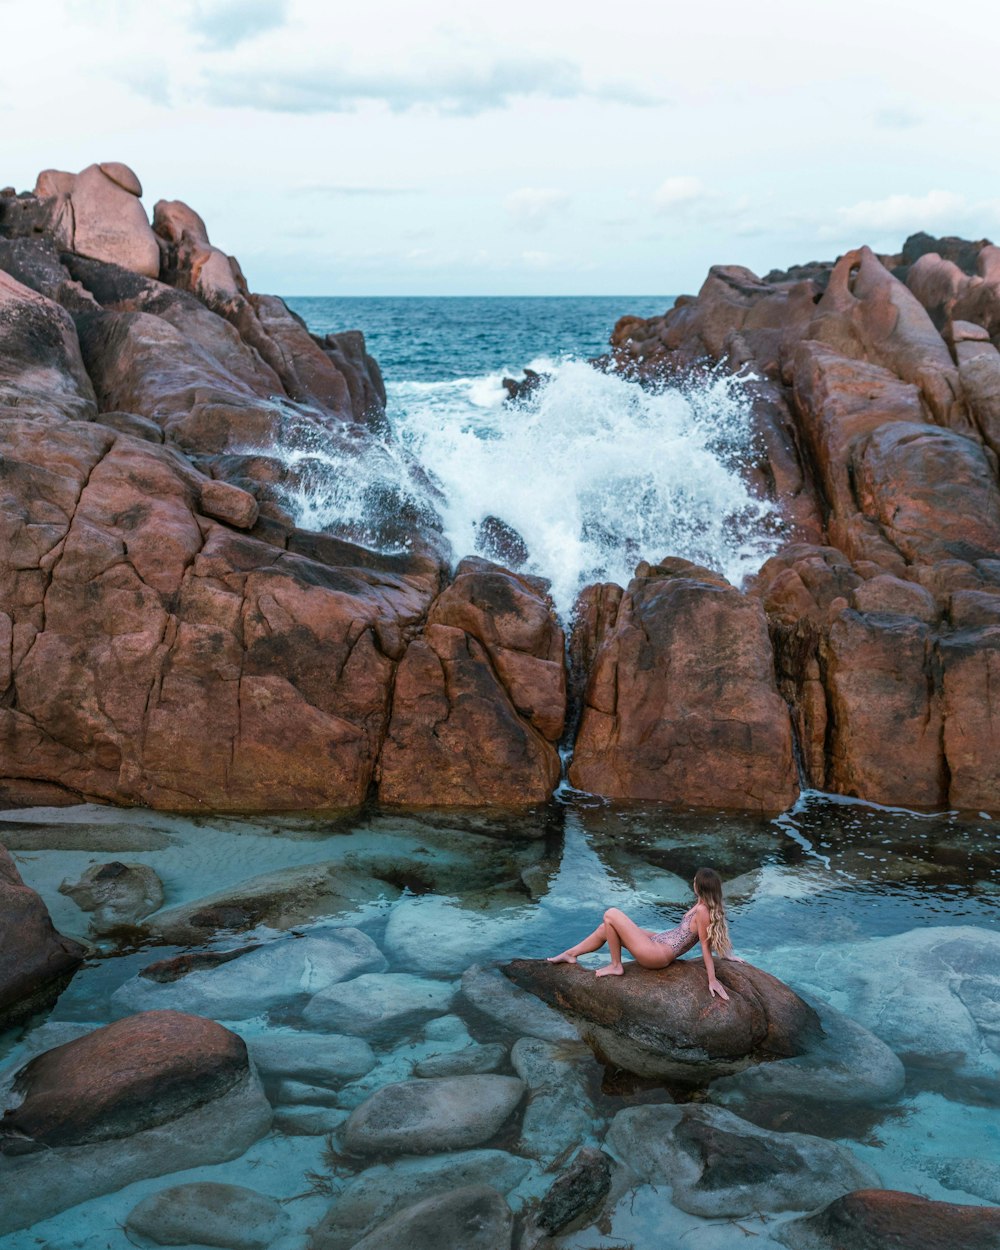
(228, 503)
(132, 424)
(377, 1004)
(209, 1214)
(325, 1060)
(559, 1114)
(260, 980)
(480, 697)
(155, 1093)
(117, 894)
(476, 1218)
(970, 708)
(439, 934)
(466, 1062)
(277, 900)
(980, 1177)
(523, 388)
(882, 1219)
(421, 1117)
(308, 1120)
(501, 542)
(682, 705)
(35, 960)
(719, 1165)
(665, 1023)
(490, 992)
(376, 1194)
(930, 992)
(574, 1198)
(846, 1065)
(298, 1093)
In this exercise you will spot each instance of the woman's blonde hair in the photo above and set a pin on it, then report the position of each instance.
(708, 887)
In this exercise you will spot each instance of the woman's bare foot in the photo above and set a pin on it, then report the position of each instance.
(564, 958)
(610, 970)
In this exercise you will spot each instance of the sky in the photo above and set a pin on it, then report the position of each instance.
(532, 147)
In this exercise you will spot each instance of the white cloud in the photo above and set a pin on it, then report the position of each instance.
(533, 207)
(901, 214)
(224, 24)
(678, 192)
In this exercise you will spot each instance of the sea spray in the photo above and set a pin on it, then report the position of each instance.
(592, 471)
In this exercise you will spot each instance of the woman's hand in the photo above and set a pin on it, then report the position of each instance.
(735, 959)
(715, 987)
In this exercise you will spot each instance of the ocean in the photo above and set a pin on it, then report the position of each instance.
(592, 472)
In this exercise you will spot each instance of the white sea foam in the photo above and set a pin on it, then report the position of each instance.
(592, 471)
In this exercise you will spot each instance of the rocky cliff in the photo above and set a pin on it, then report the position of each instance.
(169, 637)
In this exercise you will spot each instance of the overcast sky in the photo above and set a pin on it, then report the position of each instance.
(528, 147)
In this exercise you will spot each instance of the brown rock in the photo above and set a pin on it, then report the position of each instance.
(455, 737)
(895, 596)
(884, 710)
(682, 704)
(971, 714)
(885, 1219)
(35, 960)
(228, 503)
(866, 313)
(128, 1076)
(103, 217)
(665, 1023)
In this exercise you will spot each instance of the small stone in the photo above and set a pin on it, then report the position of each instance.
(466, 1062)
(118, 894)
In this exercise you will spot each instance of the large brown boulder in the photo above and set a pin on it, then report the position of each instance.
(886, 1219)
(98, 213)
(480, 697)
(682, 704)
(35, 960)
(147, 1095)
(664, 1023)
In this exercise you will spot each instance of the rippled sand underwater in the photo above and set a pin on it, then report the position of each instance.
(889, 916)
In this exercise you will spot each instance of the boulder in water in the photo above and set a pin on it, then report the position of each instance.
(210, 1214)
(664, 1022)
(474, 1218)
(422, 1117)
(884, 1219)
(35, 960)
(719, 1165)
(155, 1093)
(117, 894)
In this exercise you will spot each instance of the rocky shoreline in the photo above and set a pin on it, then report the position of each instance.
(170, 638)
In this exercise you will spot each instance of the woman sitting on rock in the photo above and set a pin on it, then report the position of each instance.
(705, 922)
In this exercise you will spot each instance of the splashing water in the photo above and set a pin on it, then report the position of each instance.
(591, 471)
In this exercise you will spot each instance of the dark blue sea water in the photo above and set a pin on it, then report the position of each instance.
(429, 339)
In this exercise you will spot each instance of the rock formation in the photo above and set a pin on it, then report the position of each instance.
(170, 637)
(35, 960)
(664, 1023)
(155, 1093)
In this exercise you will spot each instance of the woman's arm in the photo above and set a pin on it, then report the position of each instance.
(714, 986)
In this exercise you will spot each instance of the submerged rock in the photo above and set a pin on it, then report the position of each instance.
(35, 960)
(257, 980)
(665, 1023)
(375, 1195)
(277, 900)
(884, 1219)
(559, 1114)
(377, 1003)
(210, 1214)
(324, 1059)
(155, 1093)
(117, 894)
(466, 1062)
(421, 1117)
(574, 1197)
(475, 1218)
(489, 991)
(719, 1165)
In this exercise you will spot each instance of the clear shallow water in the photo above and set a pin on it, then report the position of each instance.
(831, 878)
(591, 472)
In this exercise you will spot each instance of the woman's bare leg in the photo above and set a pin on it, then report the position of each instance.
(621, 932)
(592, 943)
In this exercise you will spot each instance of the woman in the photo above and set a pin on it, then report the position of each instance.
(705, 922)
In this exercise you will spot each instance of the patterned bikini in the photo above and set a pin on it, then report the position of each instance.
(680, 940)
